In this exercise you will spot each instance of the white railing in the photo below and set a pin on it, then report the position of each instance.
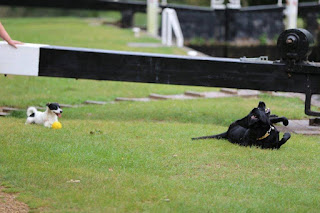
(164, 2)
(219, 4)
(291, 12)
(171, 23)
(152, 17)
(234, 4)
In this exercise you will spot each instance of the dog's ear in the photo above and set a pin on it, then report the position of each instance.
(261, 105)
(47, 104)
(244, 122)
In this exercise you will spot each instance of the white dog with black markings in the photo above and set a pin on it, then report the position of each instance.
(47, 118)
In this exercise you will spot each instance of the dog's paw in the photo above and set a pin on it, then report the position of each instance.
(287, 135)
(285, 122)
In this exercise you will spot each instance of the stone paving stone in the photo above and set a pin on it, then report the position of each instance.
(307, 132)
(241, 92)
(9, 109)
(67, 106)
(95, 102)
(217, 95)
(248, 93)
(195, 94)
(212, 94)
(229, 91)
(4, 114)
(299, 127)
(133, 99)
(314, 101)
(170, 97)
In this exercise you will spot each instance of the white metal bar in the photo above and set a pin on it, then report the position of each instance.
(234, 4)
(291, 12)
(23, 60)
(171, 23)
(218, 4)
(177, 29)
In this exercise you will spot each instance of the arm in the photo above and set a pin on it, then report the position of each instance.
(6, 37)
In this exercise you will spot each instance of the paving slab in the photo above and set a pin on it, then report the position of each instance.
(299, 127)
(194, 94)
(229, 91)
(170, 97)
(67, 106)
(95, 102)
(212, 94)
(248, 93)
(9, 109)
(133, 99)
(217, 95)
(314, 101)
(4, 114)
(241, 92)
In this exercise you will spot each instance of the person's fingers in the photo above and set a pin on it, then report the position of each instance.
(17, 42)
(12, 44)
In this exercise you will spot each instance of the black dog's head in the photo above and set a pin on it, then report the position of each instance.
(55, 108)
(259, 116)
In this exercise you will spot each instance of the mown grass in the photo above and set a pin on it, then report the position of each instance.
(22, 91)
(134, 157)
(76, 32)
(154, 166)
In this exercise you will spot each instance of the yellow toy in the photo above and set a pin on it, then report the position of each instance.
(56, 125)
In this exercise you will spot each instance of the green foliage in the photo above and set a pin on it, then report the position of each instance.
(300, 23)
(263, 39)
(211, 41)
(197, 41)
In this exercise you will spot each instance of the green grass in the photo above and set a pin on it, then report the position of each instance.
(77, 32)
(22, 91)
(135, 166)
(138, 157)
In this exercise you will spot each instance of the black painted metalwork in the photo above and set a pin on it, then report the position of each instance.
(291, 74)
(295, 44)
(80, 4)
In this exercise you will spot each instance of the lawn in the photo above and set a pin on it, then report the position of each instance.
(138, 157)
(77, 32)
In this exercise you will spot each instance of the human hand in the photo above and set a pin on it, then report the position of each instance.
(14, 42)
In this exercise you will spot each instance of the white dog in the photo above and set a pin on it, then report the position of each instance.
(46, 118)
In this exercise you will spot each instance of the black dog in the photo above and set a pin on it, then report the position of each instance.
(255, 129)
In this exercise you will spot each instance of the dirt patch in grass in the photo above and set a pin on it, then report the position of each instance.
(8, 203)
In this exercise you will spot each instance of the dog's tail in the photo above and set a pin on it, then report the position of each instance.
(31, 111)
(219, 136)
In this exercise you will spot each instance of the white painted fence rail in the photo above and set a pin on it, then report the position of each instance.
(219, 4)
(291, 12)
(21, 61)
(171, 23)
